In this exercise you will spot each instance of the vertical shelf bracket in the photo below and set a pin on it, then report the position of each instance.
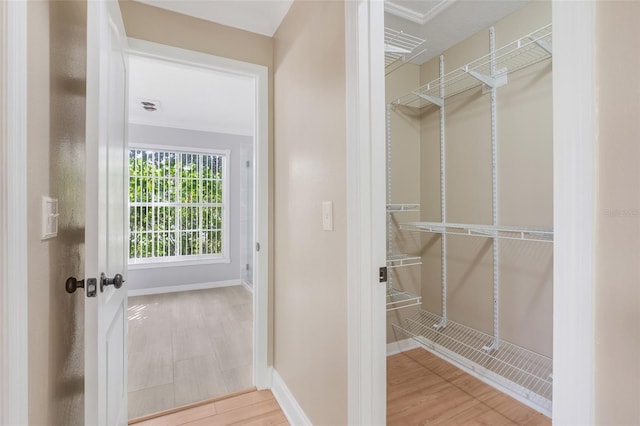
(443, 202)
(389, 201)
(494, 204)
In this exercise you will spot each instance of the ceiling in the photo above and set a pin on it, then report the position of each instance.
(258, 16)
(189, 97)
(445, 23)
(216, 102)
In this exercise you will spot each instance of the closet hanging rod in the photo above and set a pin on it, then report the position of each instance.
(489, 231)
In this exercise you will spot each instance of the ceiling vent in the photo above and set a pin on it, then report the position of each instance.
(149, 105)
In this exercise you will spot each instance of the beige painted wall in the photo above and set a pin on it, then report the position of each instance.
(617, 292)
(524, 129)
(157, 25)
(405, 188)
(56, 109)
(310, 167)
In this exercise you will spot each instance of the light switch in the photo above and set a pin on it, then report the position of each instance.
(49, 217)
(327, 215)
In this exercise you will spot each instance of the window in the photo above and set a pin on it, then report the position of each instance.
(177, 206)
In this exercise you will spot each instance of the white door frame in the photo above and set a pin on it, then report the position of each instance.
(574, 219)
(366, 334)
(574, 188)
(259, 73)
(14, 355)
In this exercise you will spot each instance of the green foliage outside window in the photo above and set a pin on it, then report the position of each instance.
(175, 204)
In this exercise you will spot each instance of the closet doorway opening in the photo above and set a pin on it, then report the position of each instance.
(470, 209)
(196, 283)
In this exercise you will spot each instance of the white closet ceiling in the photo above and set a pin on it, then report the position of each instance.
(445, 23)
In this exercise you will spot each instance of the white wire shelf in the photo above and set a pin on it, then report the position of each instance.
(398, 44)
(517, 369)
(523, 52)
(397, 299)
(393, 208)
(400, 260)
(490, 231)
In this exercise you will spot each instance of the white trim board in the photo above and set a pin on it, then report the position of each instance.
(259, 74)
(183, 287)
(14, 374)
(366, 313)
(574, 189)
(400, 346)
(289, 405)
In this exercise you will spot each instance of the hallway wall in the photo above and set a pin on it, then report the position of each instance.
(310, 167)
(617, 293)
(56, 131)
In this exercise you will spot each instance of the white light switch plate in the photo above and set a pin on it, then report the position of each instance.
(49, 217)
(327, 215)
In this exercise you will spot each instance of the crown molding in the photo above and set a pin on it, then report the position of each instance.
(412, 15)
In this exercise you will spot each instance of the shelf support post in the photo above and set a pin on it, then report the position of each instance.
(443, 203)
(494, 205)
(389, 201)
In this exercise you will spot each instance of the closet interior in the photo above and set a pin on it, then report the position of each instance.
(469, 200)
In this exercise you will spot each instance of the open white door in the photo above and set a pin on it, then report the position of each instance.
(105, 244)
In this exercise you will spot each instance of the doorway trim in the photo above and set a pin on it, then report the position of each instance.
(259, 73)
(574, 189)
(14, 355)
(366, 241)
(575, 142)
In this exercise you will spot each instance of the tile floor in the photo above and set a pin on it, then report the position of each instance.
(187, 347)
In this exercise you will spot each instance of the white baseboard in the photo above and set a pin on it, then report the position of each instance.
(401, 346)
(247, 286)
(184, 287)
(290, 407)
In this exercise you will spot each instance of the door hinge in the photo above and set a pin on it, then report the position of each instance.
(383, 274)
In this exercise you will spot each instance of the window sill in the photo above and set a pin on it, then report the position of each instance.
(173, 263)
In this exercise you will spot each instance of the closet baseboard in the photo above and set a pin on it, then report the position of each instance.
(399, 346)
(184, 287)
(290, 407)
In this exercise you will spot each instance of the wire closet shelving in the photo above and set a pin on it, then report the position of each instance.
(519, 371)
(523, 52)
(400, 47)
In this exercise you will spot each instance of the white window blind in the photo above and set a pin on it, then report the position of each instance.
(176, 205)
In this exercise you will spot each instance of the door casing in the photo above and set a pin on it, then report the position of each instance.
(14, 307)
(259, 73)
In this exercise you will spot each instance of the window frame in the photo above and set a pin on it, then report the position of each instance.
(184, 260)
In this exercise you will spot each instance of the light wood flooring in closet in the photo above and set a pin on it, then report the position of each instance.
(422, 389)
(188, 346)
(251, 408)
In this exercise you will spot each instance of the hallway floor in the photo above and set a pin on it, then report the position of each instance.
(251, 408)
(187, 347)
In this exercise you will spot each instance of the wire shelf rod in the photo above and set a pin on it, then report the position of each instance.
(486, 231)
